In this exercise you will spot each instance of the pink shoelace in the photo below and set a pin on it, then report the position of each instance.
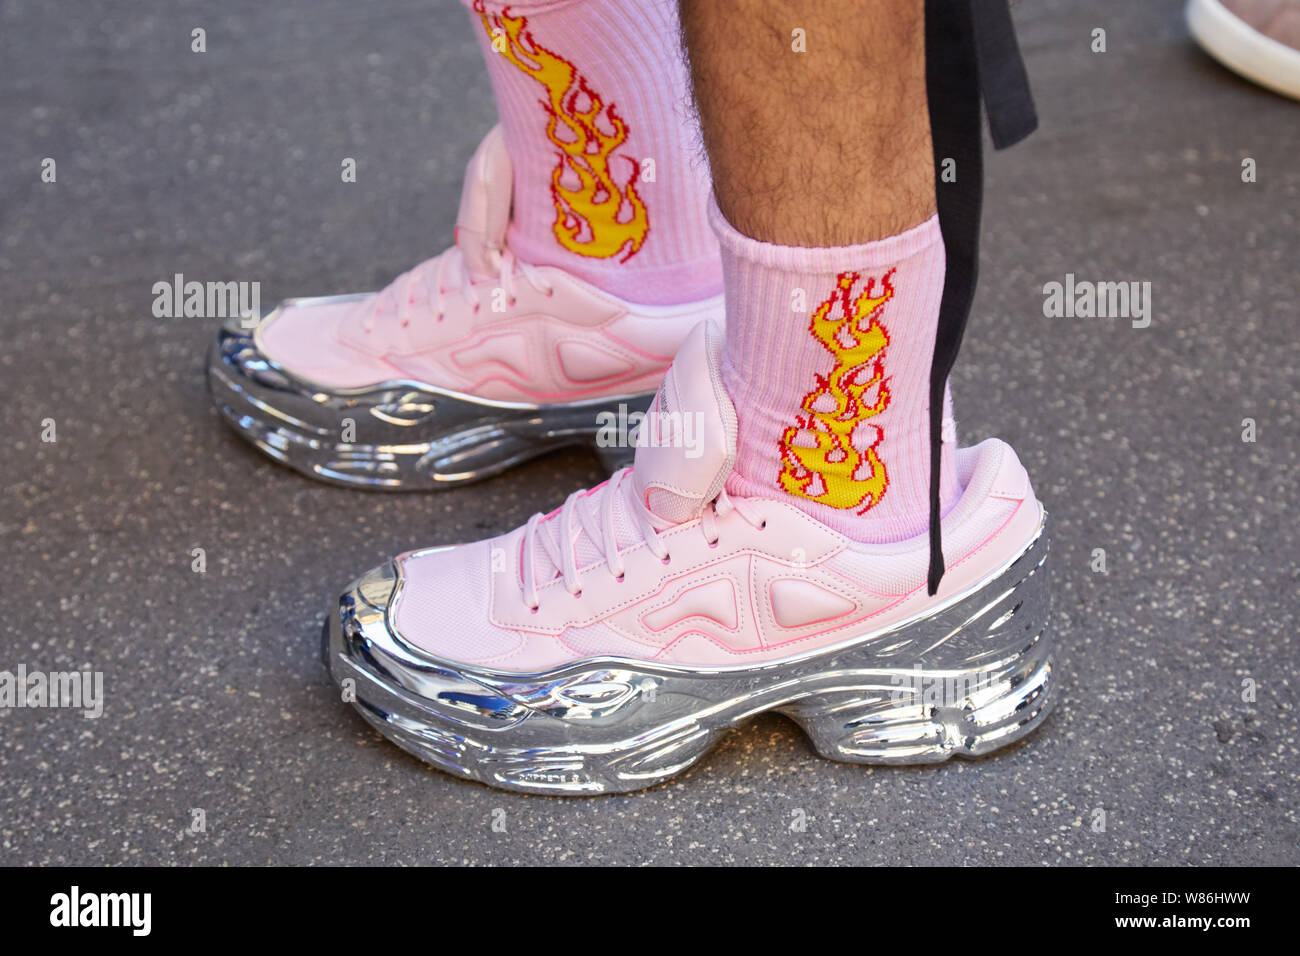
(434, 279)
(600, 528)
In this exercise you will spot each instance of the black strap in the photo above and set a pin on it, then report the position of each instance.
(970, 49)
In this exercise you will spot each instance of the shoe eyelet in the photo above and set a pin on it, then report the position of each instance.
(440, 316)
(763, 525)
(476, 308)
(511, 301)
(666, 559)
(535, 608)
(577, 594)
(620, 578)
(550, 293)
(714, 542)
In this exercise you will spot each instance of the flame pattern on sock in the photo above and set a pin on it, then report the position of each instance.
(832, 470)
(600, 219)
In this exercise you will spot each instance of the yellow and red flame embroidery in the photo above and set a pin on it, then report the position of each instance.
(831, 470)
(601, 218)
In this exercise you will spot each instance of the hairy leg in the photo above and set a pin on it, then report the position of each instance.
(828, 147)
(833, 260)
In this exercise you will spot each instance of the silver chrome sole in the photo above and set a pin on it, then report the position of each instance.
(969, 677)
(405, 435)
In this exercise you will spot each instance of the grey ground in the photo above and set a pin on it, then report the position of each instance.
(225, 165)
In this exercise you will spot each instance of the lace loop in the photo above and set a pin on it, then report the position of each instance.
(601, 529)
(430, 282)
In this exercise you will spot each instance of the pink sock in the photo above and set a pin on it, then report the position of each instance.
(607, 185)
(827, 359)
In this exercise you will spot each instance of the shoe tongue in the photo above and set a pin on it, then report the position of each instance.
(686, 445)
(485, 204)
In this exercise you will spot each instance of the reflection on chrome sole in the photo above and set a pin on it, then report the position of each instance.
(408, 435)
(973, 675)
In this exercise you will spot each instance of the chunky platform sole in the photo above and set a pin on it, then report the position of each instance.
(970, 676)
(404, 436)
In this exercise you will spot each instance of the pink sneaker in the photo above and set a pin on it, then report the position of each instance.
(605, 646)
(1259, 39)
(467, 364)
